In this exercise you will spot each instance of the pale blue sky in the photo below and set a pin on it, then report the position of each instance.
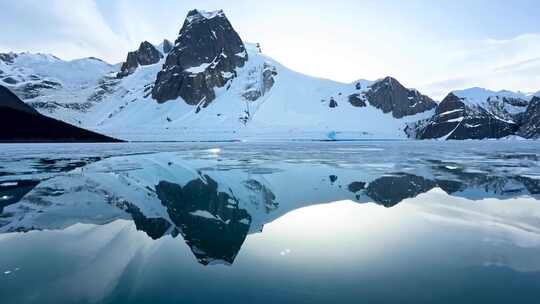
(435, 46)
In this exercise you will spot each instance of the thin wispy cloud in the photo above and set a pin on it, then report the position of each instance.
(343, 40)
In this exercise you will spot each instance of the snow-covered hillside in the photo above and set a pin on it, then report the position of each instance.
(53, 86)
(259, 99)
(502, 103)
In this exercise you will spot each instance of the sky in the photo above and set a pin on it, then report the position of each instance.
(435, 46)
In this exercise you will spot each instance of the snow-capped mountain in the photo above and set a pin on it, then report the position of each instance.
(478, 113)
(210, 85)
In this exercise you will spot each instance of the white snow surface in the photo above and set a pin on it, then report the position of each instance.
(205, 14)
(478, 95)
(296, 107)
(494, 101)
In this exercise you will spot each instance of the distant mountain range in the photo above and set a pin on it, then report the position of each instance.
(210, 85)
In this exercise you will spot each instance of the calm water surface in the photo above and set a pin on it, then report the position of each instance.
(336, 222)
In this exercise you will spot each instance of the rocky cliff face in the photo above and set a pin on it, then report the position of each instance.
(530, 127)
(205, 56)
(146, 54)
(456, 119)
(390, 96)
(167, 46)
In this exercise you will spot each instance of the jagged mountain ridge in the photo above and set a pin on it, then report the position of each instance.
(210, 85)
(246, 95)
(477, 113)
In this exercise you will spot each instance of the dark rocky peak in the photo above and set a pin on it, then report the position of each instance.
(205, 56)
(146, 54)
(530, 127)
(449, 103)
(391, 96)
(455, 119)
(167, 46)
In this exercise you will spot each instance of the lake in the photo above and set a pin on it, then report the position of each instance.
(295, 222)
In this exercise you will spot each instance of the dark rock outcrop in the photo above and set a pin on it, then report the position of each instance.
(390, 96)
(333, 103)
(457, 120)
(357, 100)
(530, 127)
(8, 57)
(167, 46)
(34, 89)
(257, 88)
(146, 54)
(205, 56)
(21, 123)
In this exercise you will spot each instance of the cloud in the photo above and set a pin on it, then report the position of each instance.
(331, 46)
(495, 64)
(70, 29)
(524, 65)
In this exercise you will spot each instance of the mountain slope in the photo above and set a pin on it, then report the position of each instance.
(455, 118)
(213, 86)
(531, 120)
(19, 122)
(477, 113)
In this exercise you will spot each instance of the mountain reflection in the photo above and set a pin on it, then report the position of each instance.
(209, 220)
(214, 204)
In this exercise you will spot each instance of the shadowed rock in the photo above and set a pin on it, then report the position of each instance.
(456, 120)
(167, 46)
(205, 56)
(390, 96)
(146, 54)
(531, 120)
